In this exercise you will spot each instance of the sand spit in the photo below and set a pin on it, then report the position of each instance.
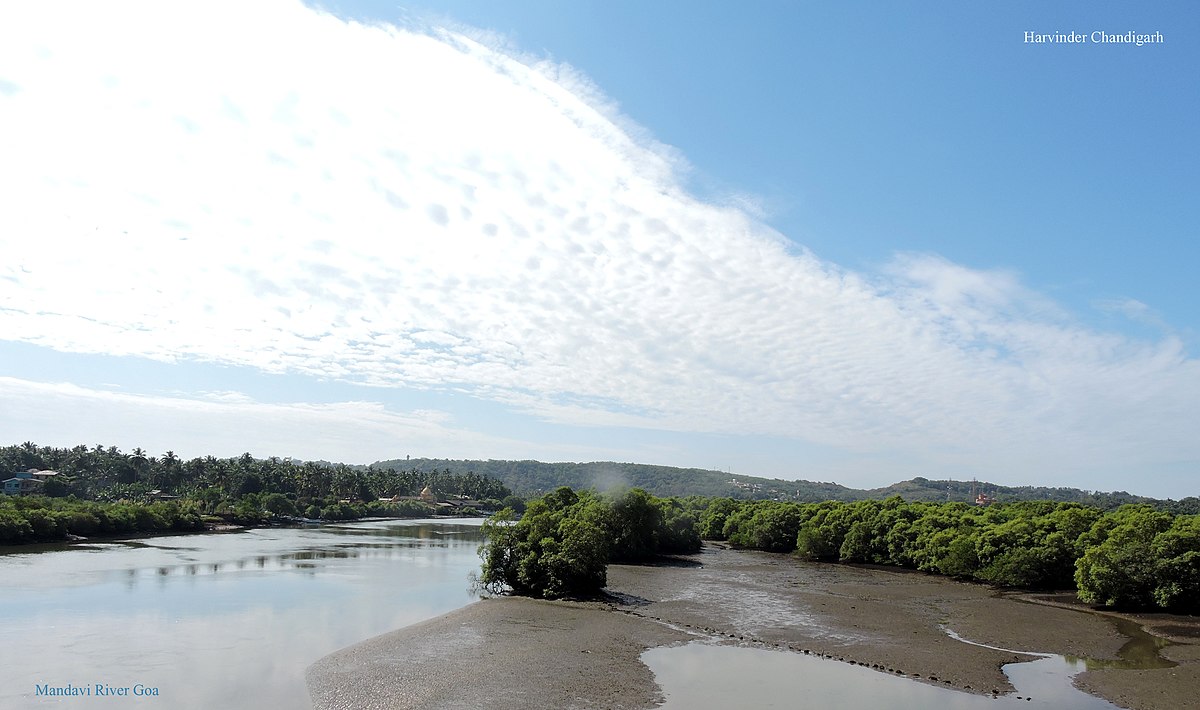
(522, 653)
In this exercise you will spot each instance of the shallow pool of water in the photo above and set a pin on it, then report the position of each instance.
(702, 675)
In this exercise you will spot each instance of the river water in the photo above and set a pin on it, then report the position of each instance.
(224, 620)
(232, 620)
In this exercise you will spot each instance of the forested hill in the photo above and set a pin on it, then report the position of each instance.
(536, 477)
(923, 489)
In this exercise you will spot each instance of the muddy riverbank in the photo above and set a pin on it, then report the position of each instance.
(586, 654)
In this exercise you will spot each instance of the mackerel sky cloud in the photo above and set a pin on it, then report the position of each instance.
(433, 224)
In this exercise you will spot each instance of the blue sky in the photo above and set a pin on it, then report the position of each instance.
(833, 241)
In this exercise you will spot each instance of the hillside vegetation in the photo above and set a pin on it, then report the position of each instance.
(529, 478)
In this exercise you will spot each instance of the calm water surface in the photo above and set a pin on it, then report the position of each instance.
(699, 675)
(225, 620)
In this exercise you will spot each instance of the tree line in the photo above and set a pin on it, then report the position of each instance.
(43, 519)
(533, 478)
(1134, 557)
(242, 490)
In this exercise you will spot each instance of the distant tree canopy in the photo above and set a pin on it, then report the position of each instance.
(532, 478)
(99, 473)
(244, 489)
(563, 543)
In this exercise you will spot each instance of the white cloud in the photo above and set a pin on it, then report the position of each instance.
(1135, 311)
(230, 423)
(267, 186)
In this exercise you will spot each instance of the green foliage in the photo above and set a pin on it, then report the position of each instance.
(766, 525)
(1037, 550)
(1136, 557)
(1177, 552)
(634, 524)
(823, 531)
(44, 519)
(712, 520)
(278, 504)
(559, 547)
(677, 533)
(564, 541)
(340, 511)
(537, 477)
(141, 491)
(399, 509)
(14, 527)
(513, 503)
(1146, 558)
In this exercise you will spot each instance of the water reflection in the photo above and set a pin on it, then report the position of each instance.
(1053, 675)
(377, 541)
(221, 620)
(1140, 652)
(699, 675)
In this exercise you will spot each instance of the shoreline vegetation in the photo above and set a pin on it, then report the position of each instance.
(1131, 558)
(1136, 556)
(34, 520)
(82, 492)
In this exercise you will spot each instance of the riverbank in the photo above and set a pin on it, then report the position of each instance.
(527, 653)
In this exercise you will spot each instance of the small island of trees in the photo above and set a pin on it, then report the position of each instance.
(564, 542)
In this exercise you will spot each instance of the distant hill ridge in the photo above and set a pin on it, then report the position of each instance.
(534, 477)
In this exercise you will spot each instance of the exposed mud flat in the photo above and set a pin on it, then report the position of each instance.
(508, 652)
(525, 653)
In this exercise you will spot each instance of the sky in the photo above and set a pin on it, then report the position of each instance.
(851, 242)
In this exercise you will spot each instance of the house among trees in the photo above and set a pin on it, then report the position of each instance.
(28, 482)
(427, 496)
(461, 501)
(443, 505)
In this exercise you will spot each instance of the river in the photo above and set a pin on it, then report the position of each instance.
(219, 620)
(232, 620)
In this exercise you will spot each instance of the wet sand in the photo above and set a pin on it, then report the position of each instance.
(533, 654)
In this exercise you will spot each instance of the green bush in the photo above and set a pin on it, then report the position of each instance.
(562, 544)
(14, 527)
